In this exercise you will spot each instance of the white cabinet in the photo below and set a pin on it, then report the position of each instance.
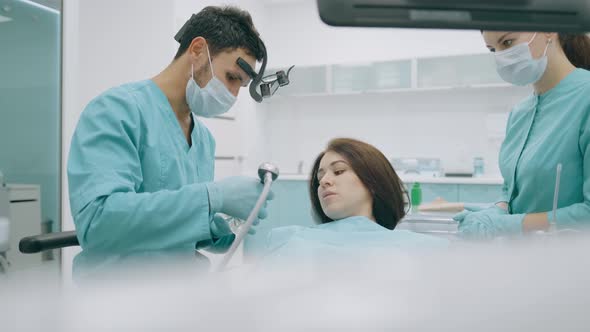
(25, 220)
(418, 74)
(304, 80)
(227, 136)
(226, 167)
(226, 132)
(457, 71)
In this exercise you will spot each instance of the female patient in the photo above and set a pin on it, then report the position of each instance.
(357, 199)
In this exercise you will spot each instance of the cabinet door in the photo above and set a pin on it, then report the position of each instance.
(453, 71)
(290, 206)
(227, 136)
(351, 78)
(471, 193)
(25, 220)
(295, 205)
(391, 75)
(304, 80)
(226, 167)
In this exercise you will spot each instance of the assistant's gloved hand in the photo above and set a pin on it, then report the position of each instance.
(236, 196)
(492, 210)
(489, 225)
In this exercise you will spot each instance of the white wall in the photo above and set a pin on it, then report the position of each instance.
(299, 37)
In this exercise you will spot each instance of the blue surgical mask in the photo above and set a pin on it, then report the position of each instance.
(212, 100)
(516, 65)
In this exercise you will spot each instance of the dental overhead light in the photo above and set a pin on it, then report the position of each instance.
(506, 15)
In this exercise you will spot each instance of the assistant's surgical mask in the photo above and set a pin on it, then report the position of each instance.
(212, 100)
(516, 65)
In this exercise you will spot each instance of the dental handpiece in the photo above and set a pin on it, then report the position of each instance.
(267, 173)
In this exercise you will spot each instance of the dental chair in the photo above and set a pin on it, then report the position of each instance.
(38, 243)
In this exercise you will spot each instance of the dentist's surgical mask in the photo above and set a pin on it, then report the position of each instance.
(516, 65)
(212, 100)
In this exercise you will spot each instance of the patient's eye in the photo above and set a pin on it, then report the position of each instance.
(339, 171)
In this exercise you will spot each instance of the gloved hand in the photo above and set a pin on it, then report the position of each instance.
(236, 196)
(490, 225)
(219, 227)
(492, 210)
(221, 221)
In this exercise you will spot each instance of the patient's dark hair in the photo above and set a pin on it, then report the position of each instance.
(225, 29)
(374, 171)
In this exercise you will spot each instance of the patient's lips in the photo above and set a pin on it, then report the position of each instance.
(327, 193)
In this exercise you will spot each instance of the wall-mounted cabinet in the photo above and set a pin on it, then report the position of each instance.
(304, 81)
(419, 74)
(456, 71)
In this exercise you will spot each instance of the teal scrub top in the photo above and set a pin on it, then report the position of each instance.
(352, 236)
(134, 182)
(542, 131)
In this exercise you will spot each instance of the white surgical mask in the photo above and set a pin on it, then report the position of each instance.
(212, 100)
(516, 65)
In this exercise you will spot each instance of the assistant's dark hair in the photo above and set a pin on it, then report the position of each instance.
(577, 49)
(374, 171)
(225, 28)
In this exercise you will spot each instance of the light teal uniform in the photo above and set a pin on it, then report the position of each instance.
(543, 131)
(343, 238)
(134, 182)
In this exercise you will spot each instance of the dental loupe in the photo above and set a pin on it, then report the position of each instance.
(261, 86)
(267, 85)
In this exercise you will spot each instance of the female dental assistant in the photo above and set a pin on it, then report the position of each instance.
(550, 127)
(140, 167)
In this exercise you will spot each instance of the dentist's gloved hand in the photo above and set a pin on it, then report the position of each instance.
(219, 227)
(220, 224)
(221, 236)
(489, 225)
(236, 196)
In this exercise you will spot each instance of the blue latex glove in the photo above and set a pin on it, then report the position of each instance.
(221, 236)
(222, 222)
(492, 210)
(219, 227)
(490, 225)
(236, 196)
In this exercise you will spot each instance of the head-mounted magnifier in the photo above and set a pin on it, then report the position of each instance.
(261, 86)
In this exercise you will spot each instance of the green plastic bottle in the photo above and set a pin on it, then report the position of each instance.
(416, 196)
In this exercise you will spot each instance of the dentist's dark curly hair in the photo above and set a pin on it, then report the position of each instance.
(225, 29)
